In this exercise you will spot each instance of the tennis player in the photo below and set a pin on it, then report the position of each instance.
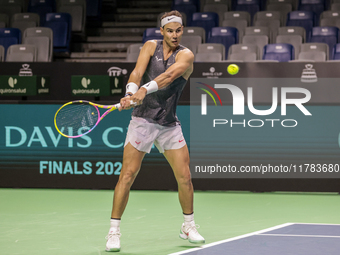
(156, 83)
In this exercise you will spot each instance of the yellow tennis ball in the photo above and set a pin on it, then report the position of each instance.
(233, 69)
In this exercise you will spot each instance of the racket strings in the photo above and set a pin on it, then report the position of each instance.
(76, 119)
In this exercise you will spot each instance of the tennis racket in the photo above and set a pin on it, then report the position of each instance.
(77, 118)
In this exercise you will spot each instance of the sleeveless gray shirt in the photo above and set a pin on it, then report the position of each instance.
(160, 106)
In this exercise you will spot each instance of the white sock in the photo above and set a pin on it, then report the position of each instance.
(188, 217)
(115, 225)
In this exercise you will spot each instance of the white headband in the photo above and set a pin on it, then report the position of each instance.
(169, 19)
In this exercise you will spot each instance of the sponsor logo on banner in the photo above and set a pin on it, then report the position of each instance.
(99, 85)
(43, 90)
(116, 89)
(85, 82)
(117, 72)
(12, 82)
(309, 74)
(25, 70)
(23, 85)
(212, 73)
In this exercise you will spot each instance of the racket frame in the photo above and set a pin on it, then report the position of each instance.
(97, 106)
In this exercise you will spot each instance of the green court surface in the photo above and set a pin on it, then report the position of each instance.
(75, 222)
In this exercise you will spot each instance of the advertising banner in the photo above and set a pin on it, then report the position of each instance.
(96, 85)
(34, 154)
(264, 128)
(278, 121)
(14, 85)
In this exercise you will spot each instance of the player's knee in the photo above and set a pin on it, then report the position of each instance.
(184, 179)
(128, 176)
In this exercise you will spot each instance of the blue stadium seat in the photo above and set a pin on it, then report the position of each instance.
(328, 35)
(283, 52)
(316, 6)
(251, 6)
(9, 36)
(152, 34)
(42, 7)
(336, 52)
(93, 9)
(224, 35)
(303, 19)
(61, 25)
(207, 20)
(194, 2)
(186, 6)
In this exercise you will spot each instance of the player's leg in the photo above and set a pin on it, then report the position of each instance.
(132, 159)
(138, 142)
(179, 161)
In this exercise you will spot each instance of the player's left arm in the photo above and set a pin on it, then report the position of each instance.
(182, 67)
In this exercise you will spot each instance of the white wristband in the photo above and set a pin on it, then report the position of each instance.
(150, 87)
(131, 87)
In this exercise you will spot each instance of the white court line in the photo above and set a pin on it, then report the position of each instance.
(232, 239)
(251, 234)
(318, 224)
(298, 235)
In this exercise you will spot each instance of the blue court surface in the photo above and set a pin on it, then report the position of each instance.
(285, 239)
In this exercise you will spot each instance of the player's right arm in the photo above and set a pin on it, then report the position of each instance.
(136, 75)
(145, 54)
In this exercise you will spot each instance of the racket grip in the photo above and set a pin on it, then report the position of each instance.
(131, 102)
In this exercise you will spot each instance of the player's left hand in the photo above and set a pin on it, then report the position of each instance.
(125, 103)
(139, 96)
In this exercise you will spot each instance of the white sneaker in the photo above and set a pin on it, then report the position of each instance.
(189, 231)
(113, 241)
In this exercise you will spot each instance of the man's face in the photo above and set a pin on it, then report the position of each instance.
(172, 33)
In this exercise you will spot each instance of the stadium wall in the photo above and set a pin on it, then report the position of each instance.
(33, 155)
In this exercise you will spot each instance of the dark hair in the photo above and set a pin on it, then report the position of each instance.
(174, 12)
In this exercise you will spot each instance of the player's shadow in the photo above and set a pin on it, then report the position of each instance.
(189, 246)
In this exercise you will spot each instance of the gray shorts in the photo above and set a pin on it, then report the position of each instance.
(142, 134)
